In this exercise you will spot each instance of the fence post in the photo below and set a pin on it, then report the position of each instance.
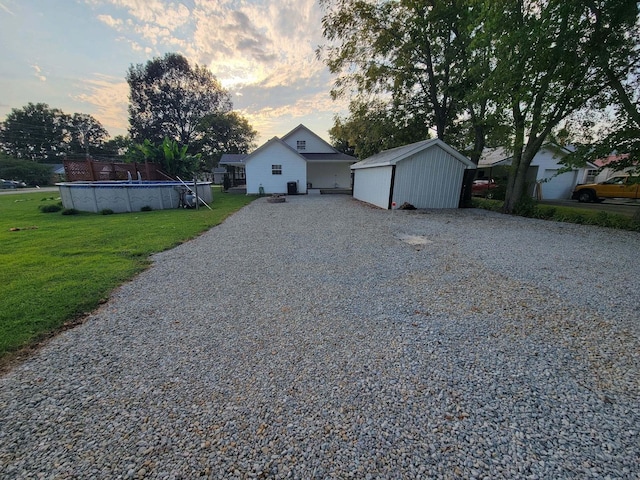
(91, 172)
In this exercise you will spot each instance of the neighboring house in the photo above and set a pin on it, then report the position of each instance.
(234, 164)
(57, 173)
(606, 168)
(218, 175)
(426, 174)
(299, 161)
(544, 178)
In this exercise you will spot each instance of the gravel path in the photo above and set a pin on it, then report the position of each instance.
(322, 338)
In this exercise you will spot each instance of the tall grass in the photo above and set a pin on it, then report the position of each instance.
(54, 268)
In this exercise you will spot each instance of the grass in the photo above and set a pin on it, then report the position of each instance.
(55, 268)
(565, 214)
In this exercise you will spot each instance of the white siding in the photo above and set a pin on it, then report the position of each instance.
(328, 174)
(429, 179)
(558, 187)
(372, 185)
(258, 170)
(313, 144)
(554, 187)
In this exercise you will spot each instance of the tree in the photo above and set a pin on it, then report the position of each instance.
(118, 146)
(25, 170)
(546, 71)
(170, 155)
(35, 132)
(168, 98)
(373, 127)
(420, 59)
(465, 65)
(87, 134)
(616, 48)
(225, 132)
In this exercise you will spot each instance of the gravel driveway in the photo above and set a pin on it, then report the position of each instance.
(322, 338)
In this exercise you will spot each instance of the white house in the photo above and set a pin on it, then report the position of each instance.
(299, 161)
(607, 167)
(426, 174)
(545, 177)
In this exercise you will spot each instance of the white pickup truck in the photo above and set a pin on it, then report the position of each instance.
(618, 186)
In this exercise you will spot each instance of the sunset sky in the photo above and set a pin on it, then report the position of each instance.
(74, 55)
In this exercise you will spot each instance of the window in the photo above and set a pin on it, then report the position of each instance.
(301, 145)
(276, 169)
(591, 175)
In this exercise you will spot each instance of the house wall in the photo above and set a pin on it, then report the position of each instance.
(609, 172)
(329, 174)
(258, 170)
(431, 178)
(553, 186)
(372, 185)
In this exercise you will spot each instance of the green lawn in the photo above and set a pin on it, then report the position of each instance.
(54, 268)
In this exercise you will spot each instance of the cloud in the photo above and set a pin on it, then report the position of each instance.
(263, 50)
(114, 23)
(38, 73)
(6, 9)
(109, 97)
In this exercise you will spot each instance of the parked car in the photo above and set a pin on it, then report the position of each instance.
(618, 186)
(8, 184)
(483, 186)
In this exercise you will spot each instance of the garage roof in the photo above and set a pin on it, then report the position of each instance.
(394, 155)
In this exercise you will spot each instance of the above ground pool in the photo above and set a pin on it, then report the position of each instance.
(131, 196)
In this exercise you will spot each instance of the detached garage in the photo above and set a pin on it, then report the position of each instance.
(426, 174)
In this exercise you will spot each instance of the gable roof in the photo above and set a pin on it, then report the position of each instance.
(334, 156)
(395, 155)
(492, 157)
(273, 141)
(302, 127)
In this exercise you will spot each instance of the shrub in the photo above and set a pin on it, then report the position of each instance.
(70, 211)
(50, 208)
(106, 211)
(146, 208)
(545, 212)
(525, 207)
(487, 204)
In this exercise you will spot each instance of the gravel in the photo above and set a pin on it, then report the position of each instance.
(323, 338)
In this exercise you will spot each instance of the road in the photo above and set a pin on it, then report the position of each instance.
(9, 191)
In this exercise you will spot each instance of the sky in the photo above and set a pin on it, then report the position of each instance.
(74, 55)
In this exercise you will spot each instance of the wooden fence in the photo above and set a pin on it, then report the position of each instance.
(92, 171)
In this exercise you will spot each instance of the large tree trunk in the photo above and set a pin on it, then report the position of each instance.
(515, 183)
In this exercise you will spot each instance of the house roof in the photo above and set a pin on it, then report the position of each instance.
(302, 127)
(330, 157)
(493, 157)
(333, 156)
(233, 159)
(603, 162)
(395, 155)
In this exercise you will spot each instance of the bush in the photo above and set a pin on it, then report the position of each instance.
(530, 208)
(525, 207)
(70, 211)
(50, 208)
(32, 173)
(146, 208)
(487, 204)
(106, 211)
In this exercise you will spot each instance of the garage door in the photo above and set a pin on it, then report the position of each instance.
(558, 187)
